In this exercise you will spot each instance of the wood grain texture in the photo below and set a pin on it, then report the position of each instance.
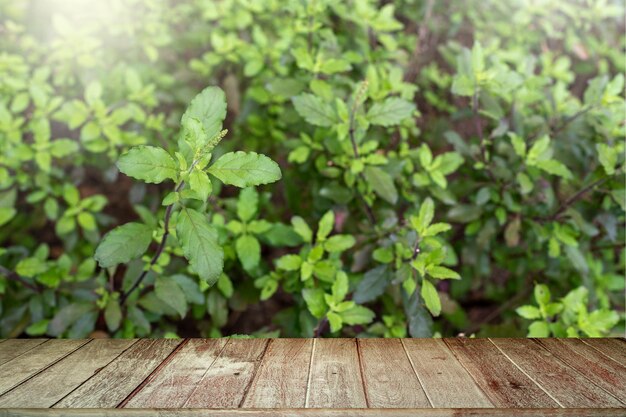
(335, 380)
(21, 368)
(437, 368)
(13, 348)
(497, 376)
(561, 382)
(174, 383)
(281, 381)
(388, 377)
(63, 377)
(319, 412)
(226, 382)
(596, 367)
(109, 387)
(613, 348)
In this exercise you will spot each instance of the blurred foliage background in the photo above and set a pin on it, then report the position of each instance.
(500, 121)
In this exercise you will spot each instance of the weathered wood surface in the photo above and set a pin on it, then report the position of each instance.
(321, 377)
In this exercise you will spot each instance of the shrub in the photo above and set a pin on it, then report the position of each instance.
(439, 161)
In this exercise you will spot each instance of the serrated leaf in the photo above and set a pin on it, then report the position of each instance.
(248, 251)
(208, 108)
(199, 242)
(243, 169)
(148, 163)
(390, 112)
(123, 244)
(382, 183)
(373, 285)
(425, 216)
(314, 110)
(168, 291)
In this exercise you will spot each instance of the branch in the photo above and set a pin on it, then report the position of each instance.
(415, 62)
(155, 258)
(567, 203)
(14, 276)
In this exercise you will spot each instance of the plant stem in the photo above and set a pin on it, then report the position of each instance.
(14, 276)
(159, 251)
(576, 197)
(369, 212)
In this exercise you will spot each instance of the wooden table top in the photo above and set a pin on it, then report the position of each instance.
(314, 377)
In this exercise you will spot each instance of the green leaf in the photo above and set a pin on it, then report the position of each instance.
(302, 229)
(529, 312)
(123, 244)
(538, 149)
(327, 222)
(248, 251)
(390, 112)
(339, 243)
(314, 110)
(243, 169)
(113, 314)
(289, 262)
(200, 183)
(435, 229)
(441, 272)
(168, 291)
(247, 204)
(199, 242)
(538, 329)
(373, 285)
(357, 315)
(431, 298)
(518, 144)
(314, 299)
(340, 287)
(335, 321)
(208, 108)
(382, 183)
(148, 163)
(424, 217)
(607, 156)
(554, 167)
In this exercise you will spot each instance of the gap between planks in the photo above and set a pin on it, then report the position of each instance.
(526, 373)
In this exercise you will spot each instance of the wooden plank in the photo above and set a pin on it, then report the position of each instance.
(319, 412)
(54, 383)
(335, 380)
(562, 383)
(109, 387)
(12, 348)
(174, 383)
(497, 376)
(225, 383)
(613, 348)
(598, 368)
(37, 359)
(436, 367)
(281, 380)
(388, 377)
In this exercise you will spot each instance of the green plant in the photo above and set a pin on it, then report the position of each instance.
(450, 153)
